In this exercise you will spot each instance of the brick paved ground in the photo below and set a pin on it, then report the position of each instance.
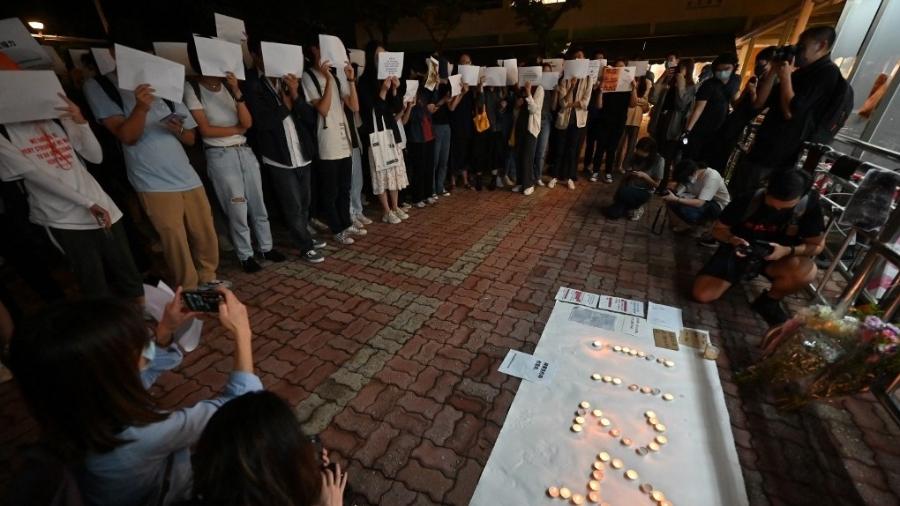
(390, 349)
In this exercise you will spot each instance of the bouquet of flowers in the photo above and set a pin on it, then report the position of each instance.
(820, 355)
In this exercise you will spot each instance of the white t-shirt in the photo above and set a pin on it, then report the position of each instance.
(60, 189)
(220, 109)
(710, 186)
(334, 141)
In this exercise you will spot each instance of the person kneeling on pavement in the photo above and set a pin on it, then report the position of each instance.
(696, 197)
(643, 177)
(775, 232)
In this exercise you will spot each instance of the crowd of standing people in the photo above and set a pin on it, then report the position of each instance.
(301, 147)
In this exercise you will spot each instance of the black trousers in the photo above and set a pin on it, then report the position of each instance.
(592, 138)
(101, 260)
(608, 144)
(627, 198)
(421, 160)
(525, 146)
(334, 192)
(25, 245)
(568, 141)
(292, 188)
(460, 151)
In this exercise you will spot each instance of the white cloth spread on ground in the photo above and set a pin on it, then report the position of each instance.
(537, 449)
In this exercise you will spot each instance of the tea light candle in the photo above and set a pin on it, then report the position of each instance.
(652, 421)
(603, 456)
(605, 422)
(617, 463)
(597, 473)
(633, 388)
(653, 446)
(669, 363)
(668, 397)
(659, 427)
(641, 354)
(594, 485)
(596, 377)
(710, 352)
(650, 414)
(646, 488)
(617, 348)
(661, 439)
(565, 493)
(597, 344)
(580, 420)
(598, 413)
(594, 497)
(576, 427)
(598, 466)
(553, 492)
(626, 349)
(585, 404)
(614, 432)
(658, 496)
(617, 381)
(626, 441)
(607, 379)
(577, 499)
(631, 474)
(646, 390)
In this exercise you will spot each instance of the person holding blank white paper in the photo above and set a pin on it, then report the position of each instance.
(574, 94)
(220, 110)
(334, 164)
(529, 102)
(65, 199)
(152, 132)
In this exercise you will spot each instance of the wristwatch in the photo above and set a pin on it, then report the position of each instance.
(240, 99)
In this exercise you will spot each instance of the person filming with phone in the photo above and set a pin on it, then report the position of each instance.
(774, 232)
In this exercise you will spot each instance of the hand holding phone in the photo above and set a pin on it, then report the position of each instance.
(204, 301)
(178, 117)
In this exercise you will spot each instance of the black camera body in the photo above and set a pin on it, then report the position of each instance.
(785, 53)
(755, 255)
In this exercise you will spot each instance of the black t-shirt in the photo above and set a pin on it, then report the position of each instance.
(764, 225)
(615, 107)
(715, 94)
(461, 118)
(442, 115)
(779, 140)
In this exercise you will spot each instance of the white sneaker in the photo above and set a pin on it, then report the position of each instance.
(508, 181)
(343, 238)
(446, 194)
(431, 200)
(528, 191)
(608, 178)
(405, 206)
(420, 205)
(552, 183)
(390, 217)
(435, 197)
(540, 182)
(356, 223)
(594, 177)
(571, 184)
(362, 219)
(516, 189)
(353, 230)
(637, 213)
(401, 214)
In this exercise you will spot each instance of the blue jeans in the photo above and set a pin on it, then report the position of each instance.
(540, 149)
(234, 173)
(706, 213)
(441, 155)
(356, 184)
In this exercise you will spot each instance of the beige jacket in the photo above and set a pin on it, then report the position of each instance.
(534, 105)
(575, 98)
(636, 113)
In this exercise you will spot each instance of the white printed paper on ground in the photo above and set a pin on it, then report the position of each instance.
(572, 296)
(537, 448)
(620, 305)
(664, 317)
(610, 322)
(527, 367)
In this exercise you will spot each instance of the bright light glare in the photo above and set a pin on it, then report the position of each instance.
(37, 25)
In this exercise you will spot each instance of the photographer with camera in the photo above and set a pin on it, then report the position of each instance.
(774, 232)
(806, 97)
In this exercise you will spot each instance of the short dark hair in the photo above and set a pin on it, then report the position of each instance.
(77, 366)
(820, 34)
(572, 50)
(649, 145)
(725, 59)
(193, 59)
(789, 185)
(766, 54)
(684, 170)
(253, 453)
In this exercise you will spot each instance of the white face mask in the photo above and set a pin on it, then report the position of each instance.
(723, 75)
(148, 353)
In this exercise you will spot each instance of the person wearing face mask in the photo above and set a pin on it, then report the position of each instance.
(727, 136)
(81, 369)
(798, 91)
(775, 232)
(710, 107)
(697, 196)
(644, 175)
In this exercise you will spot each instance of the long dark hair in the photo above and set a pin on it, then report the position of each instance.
(77, 366)
(688, 65)
(254, 453)
(370, 75)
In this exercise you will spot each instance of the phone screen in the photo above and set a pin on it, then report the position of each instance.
(174, 115)
(203, 301)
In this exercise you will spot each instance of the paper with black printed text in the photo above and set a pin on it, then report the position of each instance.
(531, 75)
(527, 367)
(390, 64)
(18, 44)
(617, 79)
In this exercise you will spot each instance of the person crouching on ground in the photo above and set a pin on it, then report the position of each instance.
(644, 175)
(775, 232)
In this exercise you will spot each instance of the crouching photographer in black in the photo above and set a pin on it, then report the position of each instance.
(774, 232)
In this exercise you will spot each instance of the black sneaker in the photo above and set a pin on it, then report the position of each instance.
(319, 244)
(312, 256)
(250, 265)
(770, 309)
(272, 255)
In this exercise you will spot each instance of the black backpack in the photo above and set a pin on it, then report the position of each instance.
(834, 114)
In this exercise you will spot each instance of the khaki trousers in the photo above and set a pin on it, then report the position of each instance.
(184, 223)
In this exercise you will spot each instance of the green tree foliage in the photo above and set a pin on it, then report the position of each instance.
(540, 18)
